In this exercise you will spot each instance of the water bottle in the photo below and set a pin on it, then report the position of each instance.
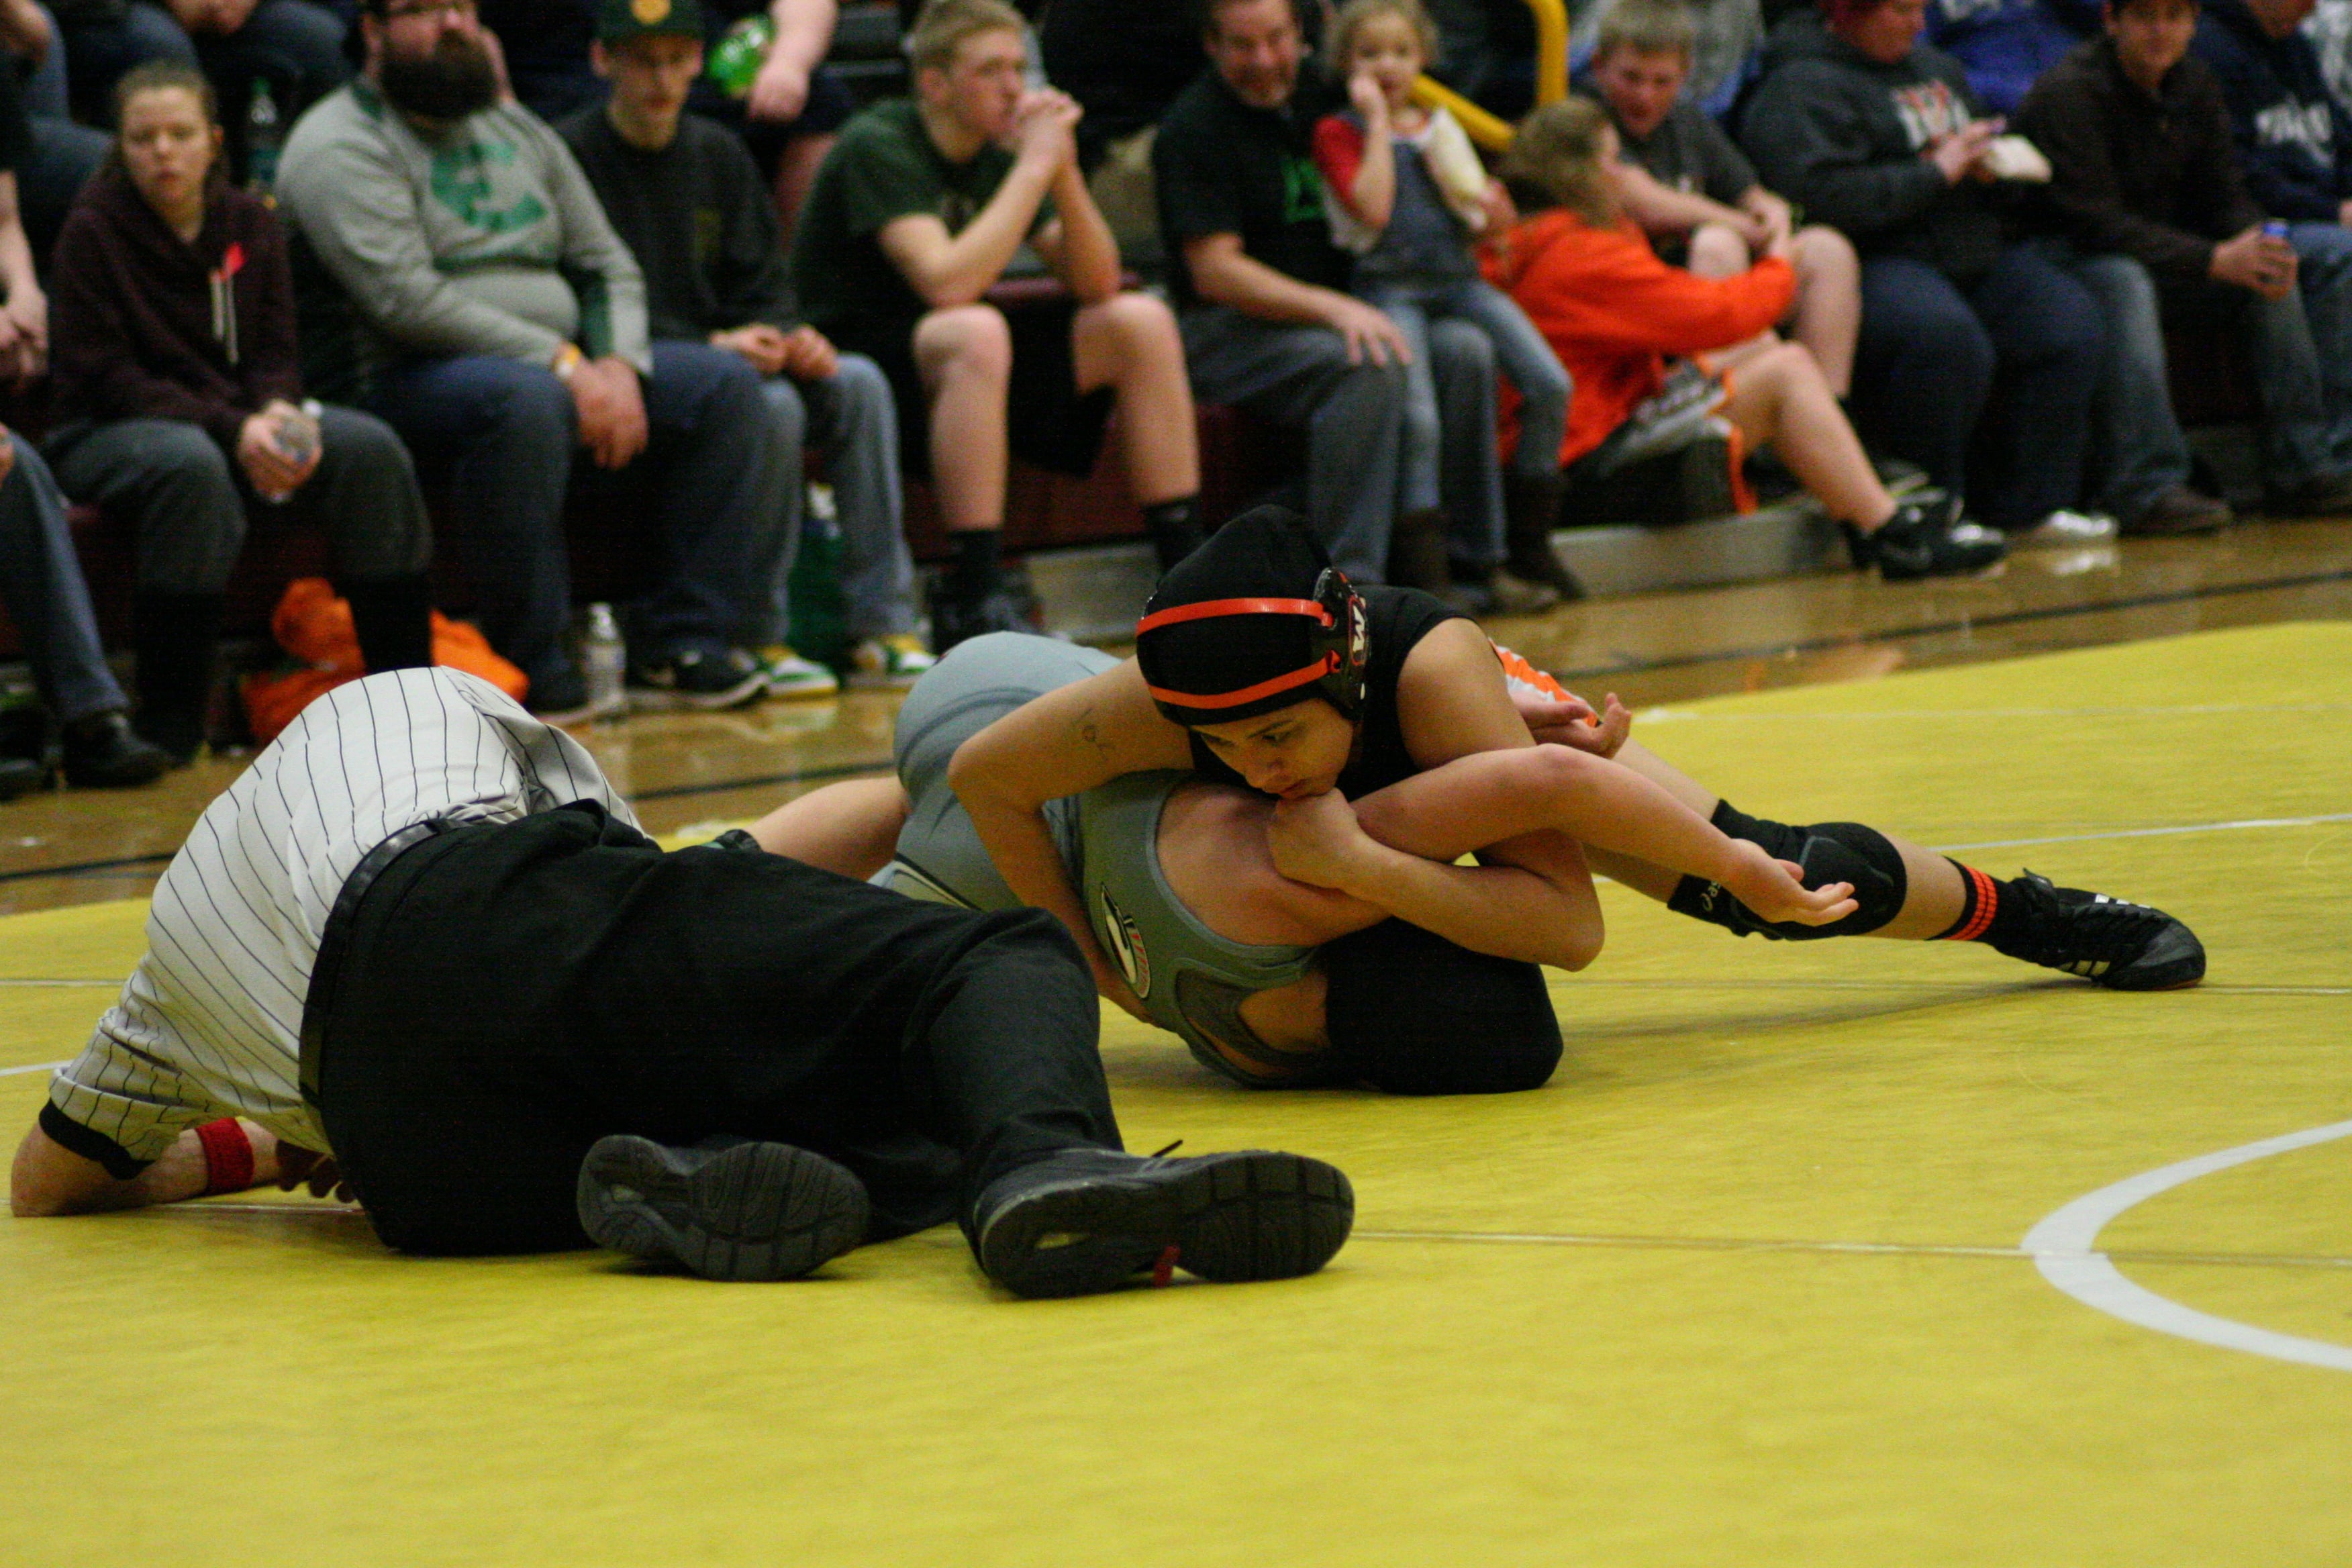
(602, 658)
(262, 139)
(740, 53)
(2275, 229)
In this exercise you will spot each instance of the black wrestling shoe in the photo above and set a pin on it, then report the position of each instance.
(726, 1210)
(2123, 947)
(953, 622)
(1087, 1219)
(1927, 537)
(103, 752)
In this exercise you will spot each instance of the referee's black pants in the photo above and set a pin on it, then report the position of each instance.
(511, 993)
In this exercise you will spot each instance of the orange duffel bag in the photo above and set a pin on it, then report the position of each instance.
(315, 629)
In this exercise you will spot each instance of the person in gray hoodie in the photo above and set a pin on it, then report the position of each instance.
(1877, 134)
(507, 327)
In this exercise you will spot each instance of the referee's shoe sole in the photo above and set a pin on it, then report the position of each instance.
(1087, 1220)
(745, 1211)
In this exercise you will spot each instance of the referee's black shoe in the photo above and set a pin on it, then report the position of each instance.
(2123, 947)
(727, 1209)
(1087, 1220)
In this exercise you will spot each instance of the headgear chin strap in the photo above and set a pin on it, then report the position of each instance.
(1339, 645)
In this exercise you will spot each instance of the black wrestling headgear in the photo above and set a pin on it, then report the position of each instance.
(1255, 619)
(1412, 1013)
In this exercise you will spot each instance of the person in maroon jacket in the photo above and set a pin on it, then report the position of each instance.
(180, 401)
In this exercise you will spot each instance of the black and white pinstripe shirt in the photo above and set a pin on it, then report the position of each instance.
(209, 1024)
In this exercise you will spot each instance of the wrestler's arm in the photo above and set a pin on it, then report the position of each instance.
(49, 1179)
(1070, 739)
(1524, 804)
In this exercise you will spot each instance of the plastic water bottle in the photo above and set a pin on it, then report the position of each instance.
(2275, 229)
(740, 53)
(602, 658)
(263, 139)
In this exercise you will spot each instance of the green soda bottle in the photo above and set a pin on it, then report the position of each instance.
(740, 53)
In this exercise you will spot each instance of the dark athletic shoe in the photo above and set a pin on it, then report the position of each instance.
(1087, 1219)
(1927, 537)
(2123, 947)
(696, 678)
(103, 751)
(747, 1211)
(952, 623)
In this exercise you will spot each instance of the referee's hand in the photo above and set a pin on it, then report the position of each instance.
(300, 1167)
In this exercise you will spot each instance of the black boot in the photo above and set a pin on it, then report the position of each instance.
(394, 619)
(24, 750)
(1417, 552)
(103, 751)
(173, 639)
(1530, 511)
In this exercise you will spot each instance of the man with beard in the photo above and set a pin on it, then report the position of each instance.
(510, 325)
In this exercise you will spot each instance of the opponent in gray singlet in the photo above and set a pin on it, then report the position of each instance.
(1191, 980)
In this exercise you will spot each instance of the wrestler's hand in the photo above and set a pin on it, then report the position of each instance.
(298, 1167)
(1570, 721)
(1318, 840)
(1775, 889)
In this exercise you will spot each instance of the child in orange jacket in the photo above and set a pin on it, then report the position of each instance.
(1617, 316)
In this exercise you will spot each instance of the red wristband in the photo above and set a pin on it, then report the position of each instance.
(228, 1156)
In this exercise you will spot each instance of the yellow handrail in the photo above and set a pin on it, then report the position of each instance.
(1481, 127)
(1551, 80)
(1551, 49)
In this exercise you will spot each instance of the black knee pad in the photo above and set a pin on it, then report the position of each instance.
(1830, 852)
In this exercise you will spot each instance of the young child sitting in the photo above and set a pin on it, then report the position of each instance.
(1406, 193)
(1615, 313)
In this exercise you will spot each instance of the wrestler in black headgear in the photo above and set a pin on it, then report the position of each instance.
(1255, 619)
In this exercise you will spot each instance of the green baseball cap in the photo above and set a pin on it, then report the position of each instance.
(618, 21)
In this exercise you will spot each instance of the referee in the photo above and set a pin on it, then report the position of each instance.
(421, 947)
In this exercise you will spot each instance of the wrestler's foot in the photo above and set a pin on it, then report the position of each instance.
(2124, 947)
(725, 1209)
(1087, 1219)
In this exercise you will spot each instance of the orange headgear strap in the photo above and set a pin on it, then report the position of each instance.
(1313, 672)
(1209, 608)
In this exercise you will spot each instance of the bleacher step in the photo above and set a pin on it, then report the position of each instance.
(1094, 592)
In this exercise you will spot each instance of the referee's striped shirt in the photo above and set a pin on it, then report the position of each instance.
(209, 1024)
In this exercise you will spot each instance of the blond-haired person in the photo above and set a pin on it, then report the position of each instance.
(914, 216)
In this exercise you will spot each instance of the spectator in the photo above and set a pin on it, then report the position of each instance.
(911, 223)
(1726, 37)
(41, 584)
(685, 197)
(2146, 188)
(2329, 29)
(179, 401)
(58, 155)
(1406, 193)
(1613, 312)
(1877, 134)
(511, 327)
(2006, 44)
(1262, 290)
(2294, 140)
(1488, 53)
(787, 112)
(1702, 206)
(295, 45)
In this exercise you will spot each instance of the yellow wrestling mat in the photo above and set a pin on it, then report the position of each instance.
(1745, 1285)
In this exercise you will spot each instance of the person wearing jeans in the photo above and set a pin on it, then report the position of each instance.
(49, 603)
(1261, 291)
(688, 201)
(510, 330)
(1878, 135)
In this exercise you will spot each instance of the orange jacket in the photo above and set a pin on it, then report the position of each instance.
(1613, 312)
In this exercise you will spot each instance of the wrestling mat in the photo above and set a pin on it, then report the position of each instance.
(1847, 1253)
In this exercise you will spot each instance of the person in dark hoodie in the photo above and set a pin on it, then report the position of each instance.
(1879, 135)
(179, 402)
(2147, 196)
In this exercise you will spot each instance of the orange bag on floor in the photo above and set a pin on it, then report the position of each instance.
(315, 627)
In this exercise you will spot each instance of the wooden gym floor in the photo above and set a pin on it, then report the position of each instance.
(1749, 1282)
